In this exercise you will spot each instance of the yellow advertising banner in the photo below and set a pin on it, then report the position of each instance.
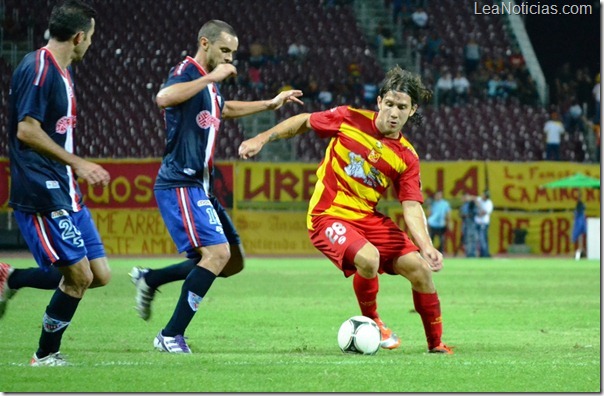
(133, 232)
(517, 185)
(547, 233)
(142, 232)
(274, 182)
(274, 232)
(293, 182)
(453, 178)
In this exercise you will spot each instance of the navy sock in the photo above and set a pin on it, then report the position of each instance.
(157, 277)
(35, 277)
(57, 317)
(194, 288)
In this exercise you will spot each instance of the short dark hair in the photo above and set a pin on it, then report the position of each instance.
(400, 80)
(213, 29)
(69, 18)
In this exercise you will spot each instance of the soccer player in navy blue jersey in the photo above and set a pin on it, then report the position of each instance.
(44, 194)
(199, 225)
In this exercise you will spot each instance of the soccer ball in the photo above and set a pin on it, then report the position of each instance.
(359, 334)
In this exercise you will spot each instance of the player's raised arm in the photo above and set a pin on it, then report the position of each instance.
(175, 94)
(236, 109)
(284, 130)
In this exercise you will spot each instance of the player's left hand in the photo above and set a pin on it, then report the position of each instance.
(284, 97)
(249, 148)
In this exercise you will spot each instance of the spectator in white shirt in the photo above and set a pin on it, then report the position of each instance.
(553, 129)
(444, 89)
(484, 208)
(461, 88)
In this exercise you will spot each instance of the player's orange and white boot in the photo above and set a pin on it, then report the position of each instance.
(389, 339)
(5, 292)
(441, 348)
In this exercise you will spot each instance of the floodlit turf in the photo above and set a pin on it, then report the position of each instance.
(518, 325)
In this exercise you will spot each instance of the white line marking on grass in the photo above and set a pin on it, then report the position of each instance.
(353, 361)
(99, 364)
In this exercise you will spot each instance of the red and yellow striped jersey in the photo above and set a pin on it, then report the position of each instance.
(359, 165)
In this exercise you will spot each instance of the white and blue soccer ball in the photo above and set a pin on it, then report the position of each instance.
(360, 335)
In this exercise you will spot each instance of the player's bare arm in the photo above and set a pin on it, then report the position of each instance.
(235, 109)
(415, 219)
(181, 92)
(284, 130)
(30, 132)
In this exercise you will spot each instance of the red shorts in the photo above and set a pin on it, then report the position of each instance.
(340, 240)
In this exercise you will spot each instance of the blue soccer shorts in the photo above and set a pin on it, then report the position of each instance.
(194, 220)
(60, 238)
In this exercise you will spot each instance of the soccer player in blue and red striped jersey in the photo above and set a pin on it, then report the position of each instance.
(367, 154)
(44, 194)
(199, 225)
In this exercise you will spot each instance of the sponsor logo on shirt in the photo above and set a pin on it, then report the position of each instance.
(59, 213)
(65, 123)
(204, 202)
(189, 171)
(52, 184)
(356, 168)
(205, 120)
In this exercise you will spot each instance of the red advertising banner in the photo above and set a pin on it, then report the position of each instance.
(131, 185)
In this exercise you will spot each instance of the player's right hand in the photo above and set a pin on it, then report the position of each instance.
(434, 258)
(223, 71)
(249, 148)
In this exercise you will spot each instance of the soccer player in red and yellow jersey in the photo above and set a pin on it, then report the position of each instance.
(367, 153)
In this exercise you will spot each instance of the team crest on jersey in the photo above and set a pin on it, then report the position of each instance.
(65, 123)
(356, 168)
(376, 153)
(205, 120)
(374, 156)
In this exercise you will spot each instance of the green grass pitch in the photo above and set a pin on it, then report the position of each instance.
(517, 324)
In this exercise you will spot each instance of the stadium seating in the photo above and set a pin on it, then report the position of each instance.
(136, 44)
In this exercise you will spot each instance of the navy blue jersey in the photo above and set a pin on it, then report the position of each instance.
(191, 129)
(41, 90)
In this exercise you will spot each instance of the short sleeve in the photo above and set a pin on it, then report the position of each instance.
(408, 186)
(327, 123)
(180, 74)
(33, 95)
